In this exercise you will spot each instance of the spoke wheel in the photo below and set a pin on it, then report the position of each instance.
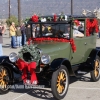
(96, 70)
(60, 82)
(5, 78)
(95, 74)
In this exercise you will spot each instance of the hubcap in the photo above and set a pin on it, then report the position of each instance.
(3, 75)
(97, 69)
(62, 82)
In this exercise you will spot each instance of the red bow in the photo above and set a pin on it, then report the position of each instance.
(24, 67)
(90, 25)
(34, 18)
(55, 18)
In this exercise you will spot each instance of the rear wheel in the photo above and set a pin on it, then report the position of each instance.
(5, 78)
(95, 74)
(60, 82)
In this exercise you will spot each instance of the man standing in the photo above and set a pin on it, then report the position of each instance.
(13, 35)
(23, 34)
(2, 30)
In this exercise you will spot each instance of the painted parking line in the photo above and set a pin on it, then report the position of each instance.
(84, 88)
(21, 95)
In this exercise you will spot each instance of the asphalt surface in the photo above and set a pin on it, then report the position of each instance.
(79, 89)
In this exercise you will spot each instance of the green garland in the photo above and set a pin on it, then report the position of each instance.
(32, 50)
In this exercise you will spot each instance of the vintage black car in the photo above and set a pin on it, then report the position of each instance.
(56, 53)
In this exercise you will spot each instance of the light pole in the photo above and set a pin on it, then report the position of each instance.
(9, 9)
(19, 12)
(72, 8)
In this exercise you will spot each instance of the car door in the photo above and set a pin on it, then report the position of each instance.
(78, 56)
(90, 44)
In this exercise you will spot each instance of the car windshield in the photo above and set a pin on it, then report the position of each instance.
(50, 30)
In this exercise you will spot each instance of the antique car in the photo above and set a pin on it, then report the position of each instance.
(55, 51)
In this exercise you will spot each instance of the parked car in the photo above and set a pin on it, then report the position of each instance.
(56, 53)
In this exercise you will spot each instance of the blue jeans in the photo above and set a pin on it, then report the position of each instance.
(99, 34)
(13, 41)
(23, 39)
(19, 41)
(1, 51)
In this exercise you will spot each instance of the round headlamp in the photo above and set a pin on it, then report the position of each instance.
(45, 59)
(13, 57)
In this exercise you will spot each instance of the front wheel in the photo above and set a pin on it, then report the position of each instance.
(5, 77)
(95, 74)
(60, 82)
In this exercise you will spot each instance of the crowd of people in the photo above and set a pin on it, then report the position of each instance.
(18, 34)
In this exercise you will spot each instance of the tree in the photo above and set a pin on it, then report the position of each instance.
(12, 19)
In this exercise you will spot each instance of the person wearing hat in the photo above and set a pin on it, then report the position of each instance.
(76, 32)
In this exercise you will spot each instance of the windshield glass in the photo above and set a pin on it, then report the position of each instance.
(50, 30)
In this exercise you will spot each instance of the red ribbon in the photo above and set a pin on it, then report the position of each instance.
(34, 18)
(55, 18)
(54, 39)
(90, 25)
(25, 67)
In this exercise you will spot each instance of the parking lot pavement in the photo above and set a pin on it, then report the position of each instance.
(79, 89)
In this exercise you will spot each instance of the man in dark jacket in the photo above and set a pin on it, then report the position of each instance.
(23, 34)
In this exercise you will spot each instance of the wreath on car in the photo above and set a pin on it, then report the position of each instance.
(29, 53)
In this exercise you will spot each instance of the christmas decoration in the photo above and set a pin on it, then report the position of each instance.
(29, 57)
(27, 67)
(29, 53)
(35, 18)
(55, 18)
(91, 26)
(54, 39)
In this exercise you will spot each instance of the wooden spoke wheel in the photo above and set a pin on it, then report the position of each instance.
(96, 70)
(4, 80)
(95, 74)
(60, 82)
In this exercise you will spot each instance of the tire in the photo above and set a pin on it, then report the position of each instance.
(5, 79)
(59, 83)
(95, 74)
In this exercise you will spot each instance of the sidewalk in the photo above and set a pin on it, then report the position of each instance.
(6, 44)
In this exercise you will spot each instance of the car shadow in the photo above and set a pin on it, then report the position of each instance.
(82, 78)
(40, 93)
(45, 92)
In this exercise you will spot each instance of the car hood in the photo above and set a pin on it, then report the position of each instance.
(54, 49)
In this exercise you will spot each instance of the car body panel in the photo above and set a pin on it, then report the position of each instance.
(55, 49)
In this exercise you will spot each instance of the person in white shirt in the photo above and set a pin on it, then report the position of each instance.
(76, 32)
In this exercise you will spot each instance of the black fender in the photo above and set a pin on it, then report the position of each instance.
(4, 60)
(55, 64)
(92, 57)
